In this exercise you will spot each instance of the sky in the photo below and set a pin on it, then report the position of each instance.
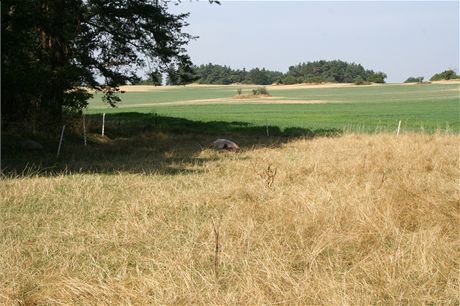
(400, 38)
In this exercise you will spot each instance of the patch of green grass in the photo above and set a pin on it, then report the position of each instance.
(373, 94)
(374, 108)
(159, 95)
(424, 114)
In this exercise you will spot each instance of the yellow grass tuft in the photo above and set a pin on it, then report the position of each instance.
(357, 219)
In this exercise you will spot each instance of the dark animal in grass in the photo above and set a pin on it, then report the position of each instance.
(225, 144)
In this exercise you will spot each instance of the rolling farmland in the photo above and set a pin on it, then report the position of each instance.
(328, 187)
(426, 107)
(144, 215)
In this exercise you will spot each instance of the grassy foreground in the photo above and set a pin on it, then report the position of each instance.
(356, 219)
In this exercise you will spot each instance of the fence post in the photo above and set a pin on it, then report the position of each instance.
(266, 125)
(84, 129)
(103, 123)
(60, 141)
(399, 127)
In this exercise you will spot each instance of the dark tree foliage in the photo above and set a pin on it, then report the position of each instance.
(445, 75)
(311, 72)
(217, 74)
(414, 80)
(154, 78)
(331, 71)
(54, 51)
(181, 74)
(263, 76)
(224, 75)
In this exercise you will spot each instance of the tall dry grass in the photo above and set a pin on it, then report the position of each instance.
(357, 219)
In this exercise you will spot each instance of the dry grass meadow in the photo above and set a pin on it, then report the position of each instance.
(355, 219)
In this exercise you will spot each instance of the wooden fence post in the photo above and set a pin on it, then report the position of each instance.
(84, 129)
(103, 123)
(60, 141)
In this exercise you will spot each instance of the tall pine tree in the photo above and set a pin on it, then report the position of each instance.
(54, 52)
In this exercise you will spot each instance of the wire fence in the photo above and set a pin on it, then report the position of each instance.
(128, 124)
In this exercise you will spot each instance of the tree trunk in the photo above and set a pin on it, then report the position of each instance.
(53, 41)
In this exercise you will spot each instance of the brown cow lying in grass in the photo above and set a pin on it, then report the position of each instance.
(225, 144)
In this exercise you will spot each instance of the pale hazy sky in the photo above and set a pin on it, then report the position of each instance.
(400, 38)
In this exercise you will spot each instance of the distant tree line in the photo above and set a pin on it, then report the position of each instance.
(217, 74)
(312, 72)
(331, 71)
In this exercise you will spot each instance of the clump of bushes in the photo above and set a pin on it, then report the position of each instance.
(316, 80)
(289, 80)
(261, 91)
(445, 75)
(360, 81)
(414, 80)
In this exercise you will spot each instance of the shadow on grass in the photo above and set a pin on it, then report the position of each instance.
(131, 124)
(139, 143)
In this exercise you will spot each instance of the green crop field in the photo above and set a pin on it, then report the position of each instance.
(426, 107)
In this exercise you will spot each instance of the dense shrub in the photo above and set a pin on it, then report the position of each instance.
(414, 80)
(445, 75)
(360, 81)
(289, 80)
(260, 91)
(315, 79)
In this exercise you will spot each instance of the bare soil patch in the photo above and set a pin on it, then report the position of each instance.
(251, 96)
(456, 81)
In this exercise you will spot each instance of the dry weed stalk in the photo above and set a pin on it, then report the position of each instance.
(270, 174)
(216, 230)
